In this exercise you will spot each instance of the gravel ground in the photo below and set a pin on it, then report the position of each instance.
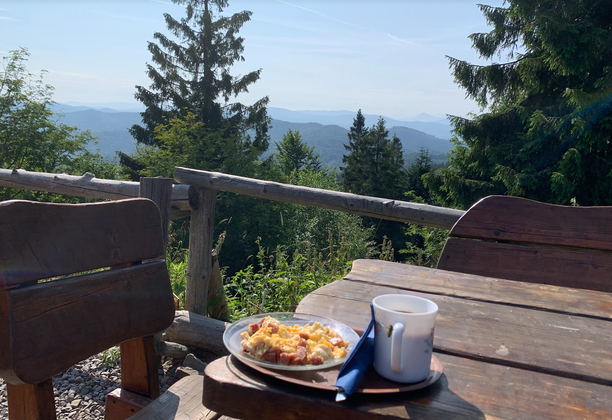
(80, 392)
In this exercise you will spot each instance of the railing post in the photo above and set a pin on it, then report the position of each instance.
(159, 190)
(200, 266)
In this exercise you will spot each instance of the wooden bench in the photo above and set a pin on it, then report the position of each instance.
(74, 281)
(519, 239)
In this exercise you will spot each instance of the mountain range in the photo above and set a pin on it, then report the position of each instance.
(325, 130)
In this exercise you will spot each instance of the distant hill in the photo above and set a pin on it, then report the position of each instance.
(111, 128)
(429, 124)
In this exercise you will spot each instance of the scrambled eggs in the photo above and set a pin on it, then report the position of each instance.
(274, 342)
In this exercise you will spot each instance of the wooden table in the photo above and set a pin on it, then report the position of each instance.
(510, 350)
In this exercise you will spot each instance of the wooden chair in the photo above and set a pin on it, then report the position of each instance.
(519, 239)
(53, 315)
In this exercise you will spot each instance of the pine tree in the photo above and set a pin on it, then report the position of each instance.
(191, 74)
(414, 174)
(295, 155)
(374, 164)
(546, 131)
(357, 159)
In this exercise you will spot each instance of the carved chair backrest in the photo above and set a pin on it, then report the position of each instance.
(76, 279)
(519, 239)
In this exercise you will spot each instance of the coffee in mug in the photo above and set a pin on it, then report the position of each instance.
(403, 340)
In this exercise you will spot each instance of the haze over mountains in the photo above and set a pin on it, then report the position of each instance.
(325, 130)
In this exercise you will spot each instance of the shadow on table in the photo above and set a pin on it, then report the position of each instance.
(434, 402)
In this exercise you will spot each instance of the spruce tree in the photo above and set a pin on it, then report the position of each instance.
(545, 133)
(295, 155)
(357, 160)
(374, 165)
(191, 74)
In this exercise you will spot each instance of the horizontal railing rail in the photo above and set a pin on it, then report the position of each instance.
(195, 196)
(401, 211)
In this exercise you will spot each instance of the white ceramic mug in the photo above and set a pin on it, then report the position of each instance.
(403, 341)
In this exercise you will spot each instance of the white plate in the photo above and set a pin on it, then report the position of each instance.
(232, 340)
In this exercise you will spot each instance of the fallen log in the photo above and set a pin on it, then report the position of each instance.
(193, 330)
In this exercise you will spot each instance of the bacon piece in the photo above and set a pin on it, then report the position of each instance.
(315, 359)
(300, 356)
(286, 358)
(273, 328)
(302, 343)
(253, 328)
(336, 341)
(304, 335)
(269, 356)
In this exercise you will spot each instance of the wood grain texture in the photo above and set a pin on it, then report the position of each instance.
(139, 366)
(560, 344)
(468, 390)
(200, 266)
(121, 404)
(31, 401)
(537, 264)
(490, 289)
(422, 214)
(198, 331)
(83, 186)
(56, 324)
(505, 218)
(159, 190)
(44, 240)
(182, 401)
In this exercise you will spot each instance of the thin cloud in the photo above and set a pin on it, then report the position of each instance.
(321, 14)
(6, 18)
(405, 41)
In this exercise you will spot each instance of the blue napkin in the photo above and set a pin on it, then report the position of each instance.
(357, 363)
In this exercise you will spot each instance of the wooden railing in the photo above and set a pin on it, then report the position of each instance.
(196, 195)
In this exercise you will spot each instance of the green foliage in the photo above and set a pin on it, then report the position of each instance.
(546, 134)
(191, 80)
(414, 176)
(305, 227)
(176, 262)
(374, 163)
(425, 245)
(375, 167)
(277, 281)
(187, 142)
(295, 155)
(30, 136)
(111, 357)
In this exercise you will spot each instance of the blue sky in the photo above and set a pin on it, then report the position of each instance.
(385, 57)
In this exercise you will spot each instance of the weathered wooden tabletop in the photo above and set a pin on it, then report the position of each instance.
(510, 350)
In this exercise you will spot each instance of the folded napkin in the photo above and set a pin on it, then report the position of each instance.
(357, 363)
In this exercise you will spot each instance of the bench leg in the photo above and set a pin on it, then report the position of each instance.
(139, 364)
(31, 402)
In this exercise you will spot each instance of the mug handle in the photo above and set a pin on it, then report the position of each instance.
(396, 347)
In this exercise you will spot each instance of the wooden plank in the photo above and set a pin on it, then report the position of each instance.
(505, 218)
(31, 401)
(54, 325)
(121, 404)
(402, 211)
(44, 240)
(468, 389)
(537, 264)
(139, 364)
(159, 190)
(564, 345)
(200, 266)
(83, 186)
(449, 283)
(183, 400)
